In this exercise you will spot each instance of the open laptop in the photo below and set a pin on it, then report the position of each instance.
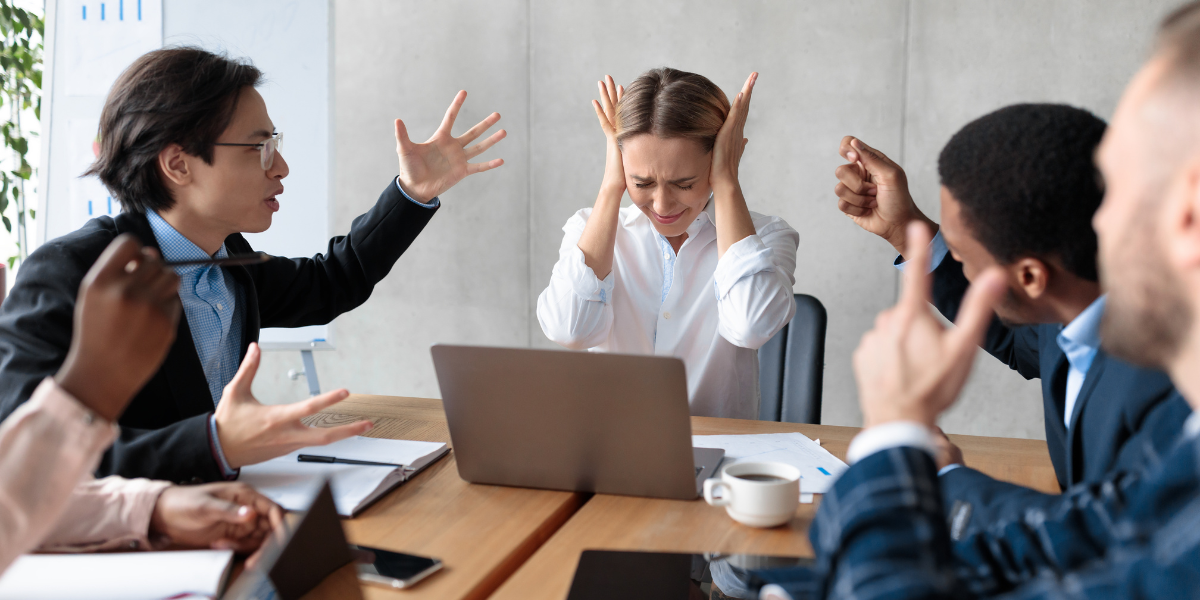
(578, 421)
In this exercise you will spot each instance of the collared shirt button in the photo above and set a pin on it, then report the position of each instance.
(667, 315)
(220, 306)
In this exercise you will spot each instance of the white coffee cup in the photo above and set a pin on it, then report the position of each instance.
(758, 494)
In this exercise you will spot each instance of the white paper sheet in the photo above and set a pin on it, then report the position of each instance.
(818, 468)
(116, 576)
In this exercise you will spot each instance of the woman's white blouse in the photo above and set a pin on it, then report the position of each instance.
(714, 314)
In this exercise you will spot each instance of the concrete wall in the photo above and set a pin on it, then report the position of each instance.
(901, 74)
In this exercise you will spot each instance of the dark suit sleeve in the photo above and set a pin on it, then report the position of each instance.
(179, 452)
(1013, 533)
(313, 291)
(880, 532)
(1016, 347)
(36, 324)
(1026, 534)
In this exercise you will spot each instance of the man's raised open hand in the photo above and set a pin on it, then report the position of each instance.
(428, 170)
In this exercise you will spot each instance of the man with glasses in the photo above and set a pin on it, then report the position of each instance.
(187, 146)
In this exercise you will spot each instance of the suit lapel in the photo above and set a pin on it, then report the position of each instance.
(1089, 385)
(1075, 467)
(1054, 384)
(182, 368)
(236, 244)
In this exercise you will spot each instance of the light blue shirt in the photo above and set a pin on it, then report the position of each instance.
(1080, 341)
(212, 304)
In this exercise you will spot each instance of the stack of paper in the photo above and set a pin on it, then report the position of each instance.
(818, 468)
(119, 576)
(289, 482)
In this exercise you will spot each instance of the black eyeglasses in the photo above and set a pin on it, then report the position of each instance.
(267, 149)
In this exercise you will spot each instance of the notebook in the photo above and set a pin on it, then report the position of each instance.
(118, 575)
(289, 482)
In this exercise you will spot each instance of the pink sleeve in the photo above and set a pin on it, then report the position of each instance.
(107, 514)
(47, 446)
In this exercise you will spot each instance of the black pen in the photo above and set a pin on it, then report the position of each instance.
(229, 261)
(346, 461)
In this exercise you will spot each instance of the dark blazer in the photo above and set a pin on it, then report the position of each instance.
(1114, 401)
(880, 533)
(164, 431)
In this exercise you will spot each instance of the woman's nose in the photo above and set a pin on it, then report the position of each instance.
(662, 204)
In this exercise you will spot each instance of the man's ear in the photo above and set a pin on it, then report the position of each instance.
(1181, 216)
(173, 164)
(1031, 275)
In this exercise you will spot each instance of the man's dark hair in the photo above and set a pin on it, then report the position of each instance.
(1179, 37)
(184, 96)
(1025, 178)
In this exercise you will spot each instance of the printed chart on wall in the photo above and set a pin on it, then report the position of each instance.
(107, 36)
(103, 38)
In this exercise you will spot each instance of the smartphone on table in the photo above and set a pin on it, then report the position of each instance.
(392, 569)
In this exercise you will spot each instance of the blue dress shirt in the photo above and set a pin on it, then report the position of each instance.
(212, 304)
(1080, 340)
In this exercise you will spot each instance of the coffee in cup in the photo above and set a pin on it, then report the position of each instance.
(758, 494)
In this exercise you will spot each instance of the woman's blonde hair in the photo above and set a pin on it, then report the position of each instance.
(670, 103)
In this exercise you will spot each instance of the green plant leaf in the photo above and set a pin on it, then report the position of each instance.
(7, 225)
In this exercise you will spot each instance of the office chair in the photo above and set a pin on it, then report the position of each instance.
(791, 365)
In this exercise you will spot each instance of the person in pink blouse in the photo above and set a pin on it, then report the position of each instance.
(124, 323)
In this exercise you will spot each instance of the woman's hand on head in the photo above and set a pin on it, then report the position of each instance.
(727, 151)
(606, 112)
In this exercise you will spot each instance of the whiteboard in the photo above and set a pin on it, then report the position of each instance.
(89, 42)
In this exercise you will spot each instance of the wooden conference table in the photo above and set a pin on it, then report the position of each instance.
(502, 542)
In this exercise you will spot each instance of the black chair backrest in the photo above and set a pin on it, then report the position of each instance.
(791, 366)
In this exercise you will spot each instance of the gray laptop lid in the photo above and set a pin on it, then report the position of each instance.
(608, 423)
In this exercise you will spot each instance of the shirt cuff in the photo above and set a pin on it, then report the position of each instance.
(947, 469)
(744, 258)
(91, 433)
(583, 279)
(432, 203)
(937, 253)
(214, 442)
(773, 591)
(896, 434)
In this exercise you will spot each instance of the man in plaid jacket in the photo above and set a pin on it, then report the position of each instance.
(881, 533)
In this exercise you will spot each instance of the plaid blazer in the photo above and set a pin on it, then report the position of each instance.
(880, 533)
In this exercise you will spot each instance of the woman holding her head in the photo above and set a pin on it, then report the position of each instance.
(687, 270)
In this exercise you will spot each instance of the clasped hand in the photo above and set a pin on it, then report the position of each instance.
(218, 515)
(910, 367)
